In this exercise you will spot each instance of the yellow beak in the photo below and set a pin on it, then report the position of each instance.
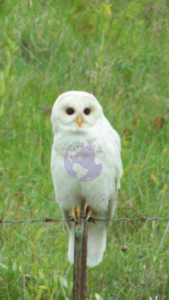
(79, 121)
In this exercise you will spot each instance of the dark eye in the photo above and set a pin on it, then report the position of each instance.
(87, 111)
(70, 111)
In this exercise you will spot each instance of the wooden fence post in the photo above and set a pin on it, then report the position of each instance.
(80, 258)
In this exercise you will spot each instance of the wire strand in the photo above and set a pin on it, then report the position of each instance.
(70, 219)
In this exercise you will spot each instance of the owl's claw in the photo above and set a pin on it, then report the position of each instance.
(76, 213)
(85, 207)
(88, 211)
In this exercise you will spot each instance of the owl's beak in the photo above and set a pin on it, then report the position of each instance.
(79, 121)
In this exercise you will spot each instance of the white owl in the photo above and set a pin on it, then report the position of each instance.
(86, 166)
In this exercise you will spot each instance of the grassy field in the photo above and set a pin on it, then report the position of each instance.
(118, 50)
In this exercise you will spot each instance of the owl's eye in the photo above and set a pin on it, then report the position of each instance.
(70, 111)
(87, 111)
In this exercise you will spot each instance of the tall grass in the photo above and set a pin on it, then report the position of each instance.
(118, 50)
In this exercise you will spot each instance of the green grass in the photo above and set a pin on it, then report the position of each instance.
(119, 52)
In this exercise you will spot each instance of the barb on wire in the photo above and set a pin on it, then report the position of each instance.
(70, 219)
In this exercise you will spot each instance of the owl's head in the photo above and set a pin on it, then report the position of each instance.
(75, 111)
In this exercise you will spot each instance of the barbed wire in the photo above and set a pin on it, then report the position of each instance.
(70, 219)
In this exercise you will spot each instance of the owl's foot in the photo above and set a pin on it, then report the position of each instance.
(88, 211)
(76, 212)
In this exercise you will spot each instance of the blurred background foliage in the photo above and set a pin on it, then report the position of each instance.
(119, 51)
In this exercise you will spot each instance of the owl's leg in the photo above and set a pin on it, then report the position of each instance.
(76, 212)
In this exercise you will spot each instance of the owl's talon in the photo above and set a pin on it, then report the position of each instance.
(88, 213)
(85, 208)
(74, 214)
(78, 211)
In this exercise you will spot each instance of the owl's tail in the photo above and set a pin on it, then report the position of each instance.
(96, 244)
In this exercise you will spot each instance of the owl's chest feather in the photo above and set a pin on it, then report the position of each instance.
(90, 176)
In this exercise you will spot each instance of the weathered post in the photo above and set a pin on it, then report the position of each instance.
(80, 257)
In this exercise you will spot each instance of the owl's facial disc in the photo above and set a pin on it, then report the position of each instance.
(76, 111)
(79, 114)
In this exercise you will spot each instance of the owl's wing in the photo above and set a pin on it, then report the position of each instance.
(112, 206)
(114, 140)
(54, 155)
